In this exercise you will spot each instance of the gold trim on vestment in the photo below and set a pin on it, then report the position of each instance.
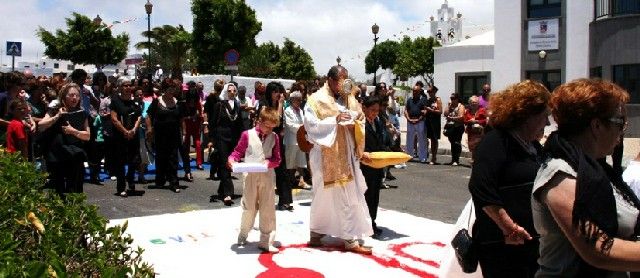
(336, 164)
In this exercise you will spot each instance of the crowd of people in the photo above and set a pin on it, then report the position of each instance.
(552, 208)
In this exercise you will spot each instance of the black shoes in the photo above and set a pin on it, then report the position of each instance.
(285, 207)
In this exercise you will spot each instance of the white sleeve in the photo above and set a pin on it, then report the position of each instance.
(322, 132)
(290, 119)
(632, 177)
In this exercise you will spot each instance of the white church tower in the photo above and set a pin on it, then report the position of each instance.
(447, 28)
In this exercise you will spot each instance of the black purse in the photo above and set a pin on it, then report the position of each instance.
(466, 252)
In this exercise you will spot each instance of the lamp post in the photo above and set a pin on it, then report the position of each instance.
(148, 7)
(98, 22)
(375, 28)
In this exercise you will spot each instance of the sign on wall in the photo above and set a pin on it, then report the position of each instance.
(543, 34)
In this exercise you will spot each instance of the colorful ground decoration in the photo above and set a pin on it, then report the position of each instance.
(203, 244)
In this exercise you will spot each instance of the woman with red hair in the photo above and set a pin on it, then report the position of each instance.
(505, 166)
(587, 216)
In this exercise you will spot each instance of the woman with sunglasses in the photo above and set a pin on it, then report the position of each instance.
(66, 129)
(126, 117)
(586, 215)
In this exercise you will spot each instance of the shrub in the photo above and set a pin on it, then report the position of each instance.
(42, 234)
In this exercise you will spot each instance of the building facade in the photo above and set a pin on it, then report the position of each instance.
(556, 41)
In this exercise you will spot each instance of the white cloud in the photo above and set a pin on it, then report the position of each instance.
(326, 29)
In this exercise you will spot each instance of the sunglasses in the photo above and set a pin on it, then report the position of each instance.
(620, 121)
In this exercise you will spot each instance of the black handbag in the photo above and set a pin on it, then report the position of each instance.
(448, 128)
(466, 252)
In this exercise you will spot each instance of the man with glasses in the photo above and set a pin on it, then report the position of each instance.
(338, 207)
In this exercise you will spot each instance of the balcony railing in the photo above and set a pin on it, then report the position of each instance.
(610, 8)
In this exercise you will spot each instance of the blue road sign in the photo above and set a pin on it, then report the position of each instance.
(231, 57)
(14, 48)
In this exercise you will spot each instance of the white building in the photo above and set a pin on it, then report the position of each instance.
(465, 66)
(551, 41)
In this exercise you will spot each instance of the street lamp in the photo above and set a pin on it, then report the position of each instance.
(97, 20)
(375, 29)
(148, 7)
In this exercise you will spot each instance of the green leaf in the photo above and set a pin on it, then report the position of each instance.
(36, 269)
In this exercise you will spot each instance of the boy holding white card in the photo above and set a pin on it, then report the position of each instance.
(259, 144)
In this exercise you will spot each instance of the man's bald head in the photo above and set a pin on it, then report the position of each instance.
(337, 72)
(335, 75)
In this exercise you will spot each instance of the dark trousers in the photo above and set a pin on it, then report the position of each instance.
(226, 184)
(67, 177)
(109, 155)
(283, 180)
(213, 157)
(95, 155)
(373, 178)
(167, 166)
(455, 138)
(186, 159)
(501, 260)
(128, 153)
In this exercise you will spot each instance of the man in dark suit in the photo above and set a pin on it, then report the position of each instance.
(374, 142)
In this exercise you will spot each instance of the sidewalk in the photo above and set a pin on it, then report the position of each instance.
(631, 145)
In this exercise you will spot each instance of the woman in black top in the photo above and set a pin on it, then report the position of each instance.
(163, 122)
(505, 166)
(274, 98)
(227, 127)
(433, 121)
(65, 130)
(209, 108)
(126, 117)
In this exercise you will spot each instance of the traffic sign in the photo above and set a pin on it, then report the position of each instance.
(14, 48)
(231, 57)
(231, 67)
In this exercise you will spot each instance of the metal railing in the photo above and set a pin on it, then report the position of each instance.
(610, 8)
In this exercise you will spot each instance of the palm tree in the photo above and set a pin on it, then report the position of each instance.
(171, 46)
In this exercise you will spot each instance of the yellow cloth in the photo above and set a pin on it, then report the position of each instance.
(336, 168)
(384, 159)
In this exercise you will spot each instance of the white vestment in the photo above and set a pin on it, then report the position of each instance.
(340, 210)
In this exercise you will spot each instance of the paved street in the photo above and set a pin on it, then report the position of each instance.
(436, 192)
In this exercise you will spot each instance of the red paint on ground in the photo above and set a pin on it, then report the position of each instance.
(274, 270)
(399, 250)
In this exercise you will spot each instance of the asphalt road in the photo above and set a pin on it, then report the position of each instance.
(437, 192)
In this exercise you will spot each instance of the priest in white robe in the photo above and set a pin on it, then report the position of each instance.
(334, 123)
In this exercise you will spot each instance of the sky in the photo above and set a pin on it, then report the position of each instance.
(325, 28)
